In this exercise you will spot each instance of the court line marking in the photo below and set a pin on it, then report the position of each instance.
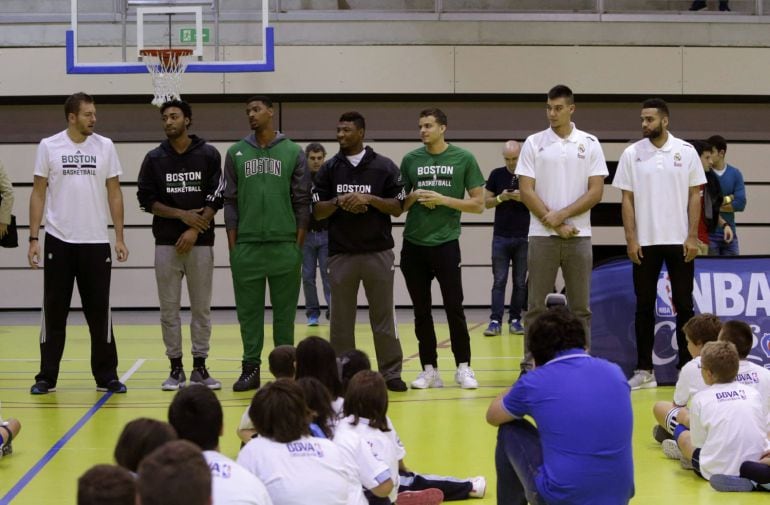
(48, 456)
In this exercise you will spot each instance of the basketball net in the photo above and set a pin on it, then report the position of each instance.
(166, 67)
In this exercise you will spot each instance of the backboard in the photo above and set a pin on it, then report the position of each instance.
(167, 24)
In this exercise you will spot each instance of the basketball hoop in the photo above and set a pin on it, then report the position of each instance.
(166, 67)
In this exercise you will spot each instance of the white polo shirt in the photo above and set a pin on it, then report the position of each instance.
(660, 180)
(231, 484)
(728, 423)
(307, 470)
(76, 201)
(561, 168)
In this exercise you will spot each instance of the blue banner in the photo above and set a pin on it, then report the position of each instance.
(730, 287)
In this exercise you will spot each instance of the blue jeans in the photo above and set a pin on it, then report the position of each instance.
(504, 251)
(315, 251)
(718, 246)
(518, 458)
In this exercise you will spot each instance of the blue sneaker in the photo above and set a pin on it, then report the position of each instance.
(114, 386)
(515, 327)
(42, 387)
(493, 329)
(312, 321)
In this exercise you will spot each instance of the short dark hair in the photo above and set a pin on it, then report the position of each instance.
(279, 411)
(656, 103)
(553, 331)
(281, 361)
(354, 117)
(561, 91)
(436, 113)
(315, 147)
(721, 359)
(72, 103)
(367, 397)
(106, 485)
(316, 358)
(176, 473)
(179, 104)
(719, 142)
(740, 334)
(350, 363)
(319, 400)
(701, 146)
(139, 438)
(261, 98)
(196, 415)
(702, 328)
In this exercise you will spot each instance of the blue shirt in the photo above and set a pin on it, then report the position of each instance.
(731, 182)
(582, 408)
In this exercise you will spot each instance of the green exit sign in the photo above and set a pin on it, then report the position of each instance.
(188, 35)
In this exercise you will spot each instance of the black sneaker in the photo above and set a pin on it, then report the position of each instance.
(396, 384)
(660, 434)
(724, 7)
(42, 387)
(698, 5)
(249, 378)
(114, 386)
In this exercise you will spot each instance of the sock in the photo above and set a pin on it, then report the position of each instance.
(681, 428)
(671, 422)
(199, 362)
(756, 471)
(176, 363)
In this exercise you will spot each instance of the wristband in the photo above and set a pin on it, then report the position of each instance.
(336, 201)
(725, 225)
(33, 238)
(499, 200)
(728, 199)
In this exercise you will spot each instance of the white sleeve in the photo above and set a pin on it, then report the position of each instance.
(598, 163)
(41, 161)
(114, 168)
(245, 423)
(622, 179)
(698, 430)
(683, 386)
(368, 466)
(695, 170)
(526, 164)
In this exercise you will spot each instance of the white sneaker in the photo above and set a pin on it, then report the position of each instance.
(642, 379)
(428, 378)
(465, 377)
(479, 487)
(671, 449)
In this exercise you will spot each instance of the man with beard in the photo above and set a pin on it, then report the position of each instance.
(660, 177)
(358, 190)
(179, 184)
(267, 209)
(76, 181)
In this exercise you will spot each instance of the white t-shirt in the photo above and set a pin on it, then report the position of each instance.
(371, 472)
(690, 382)
(728, 422)
(561, 168)
(385, 445)
(76, 200)
(660, 180)
(231, 484)
(758, 377)
(307, 470)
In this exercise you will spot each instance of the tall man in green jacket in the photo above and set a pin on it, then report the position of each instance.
(267, 209)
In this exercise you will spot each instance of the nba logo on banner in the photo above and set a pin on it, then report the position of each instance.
(664, 304)
(764, 344)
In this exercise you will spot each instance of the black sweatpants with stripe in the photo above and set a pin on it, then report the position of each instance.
(89, 265)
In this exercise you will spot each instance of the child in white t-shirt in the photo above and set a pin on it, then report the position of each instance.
(727, 419)
(749, 373)
(700, 329)
(295, 467)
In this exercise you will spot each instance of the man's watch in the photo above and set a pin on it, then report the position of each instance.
(33, 239)
(335, 201)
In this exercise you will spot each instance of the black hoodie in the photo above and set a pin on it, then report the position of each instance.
(183, 181)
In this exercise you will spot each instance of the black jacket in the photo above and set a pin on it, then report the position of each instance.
(184, 181)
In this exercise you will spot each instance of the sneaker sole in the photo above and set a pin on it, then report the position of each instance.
(671, 450)
(645, 385)
(215, 387)
(172, 388)
(489, 334)
(434, 384)
(462, 386)
(105, 390)
(731, 484)
(37, 392)
(432, 496)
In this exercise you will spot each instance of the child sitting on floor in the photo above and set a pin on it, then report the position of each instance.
(727, 419)
(700, 329)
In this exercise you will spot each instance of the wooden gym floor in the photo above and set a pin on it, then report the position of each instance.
(443, 430)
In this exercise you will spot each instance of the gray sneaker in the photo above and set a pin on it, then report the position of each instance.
(730, 483)
(642, 379)
(176, 380)
(201, 376)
